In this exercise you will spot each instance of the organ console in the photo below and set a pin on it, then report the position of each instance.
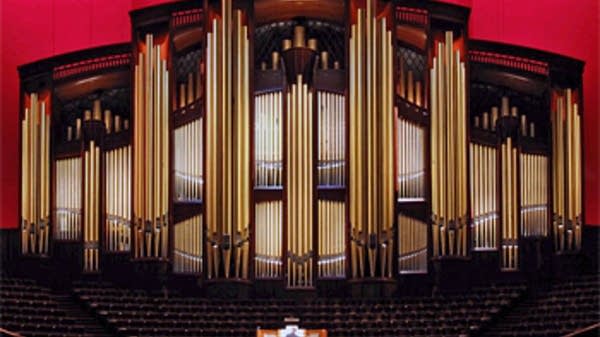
(362, 142)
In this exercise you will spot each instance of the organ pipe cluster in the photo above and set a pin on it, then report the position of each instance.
(448, 151)
(410, 164)
(566, 169)
(268, 139)
(67, 214)
(510, 216)
(484, 191)
(188, 162)
(299, 185)
(118, 199)
(269, 235)
(228, 152)
(91, 208)
(371, 144)
(534, 194)
(408, 87)
(488, 121)
(112, 123)
(187, 253)
(35, 177)
(412, 245)
(332, 239)
(191, 90)
(151, 152)
(332, 138)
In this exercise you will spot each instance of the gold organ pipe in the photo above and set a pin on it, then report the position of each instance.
(151, 156)
(190, 88)
(448, 106)
(118, 199)
(566, 164)
(227, 151)
(371, 151)
(35, 177)
(300, 185)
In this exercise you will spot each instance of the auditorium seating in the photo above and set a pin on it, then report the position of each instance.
(101, 309)
(31, 310)
(137, 313)
(565, 307)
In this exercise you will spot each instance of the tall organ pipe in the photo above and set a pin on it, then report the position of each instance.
(371, 150)
(151, 161)
(91, 221)
(35, 178)
(566, 172)
(448, 151)
(118, 199)
(484, 187)
(227, 149)
(299, 185)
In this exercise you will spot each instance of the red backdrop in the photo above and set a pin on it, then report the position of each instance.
(35, 29)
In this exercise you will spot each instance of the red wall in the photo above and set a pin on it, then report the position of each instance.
(35, 29)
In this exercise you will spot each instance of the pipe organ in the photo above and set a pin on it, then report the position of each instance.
(448, 151)
(332, 139)
(268, 139)
(67, 213)
(151, 150)
(332, 239)
(509, 205)
(239, 146)
(484, 191)
(371, 151)
(534, 194)
(35, 176)
(412, 245)
(410, 160)
(299, 185)
(91, 209)
(188, 249)
(269, 235)
(566, 171)
(509, 193)
(227, 150)
(188, 162)
(118, 199)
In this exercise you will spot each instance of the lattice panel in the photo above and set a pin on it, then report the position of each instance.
(412, 61)
(267, 39)
(187, 64)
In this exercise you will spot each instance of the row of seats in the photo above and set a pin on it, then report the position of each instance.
(138, 313)
(32, 310)
(567, 306)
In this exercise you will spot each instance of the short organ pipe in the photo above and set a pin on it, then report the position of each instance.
(67, 213)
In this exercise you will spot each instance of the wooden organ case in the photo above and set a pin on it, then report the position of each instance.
(361, 146)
